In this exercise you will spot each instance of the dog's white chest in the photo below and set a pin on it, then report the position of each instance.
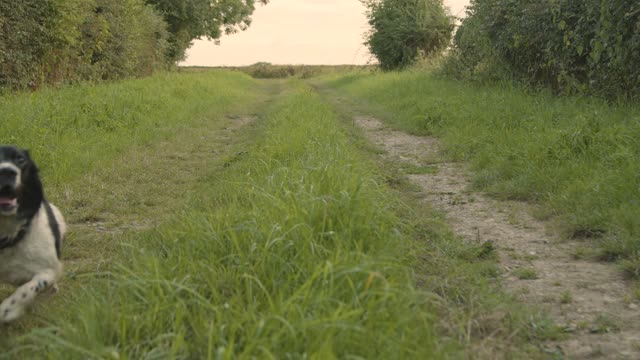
(33, 254)
(9, 226)
(15, 267)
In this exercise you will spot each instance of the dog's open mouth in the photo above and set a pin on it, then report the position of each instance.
(8, 204)
(8, 200)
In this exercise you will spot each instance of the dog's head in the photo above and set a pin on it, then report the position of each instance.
(20, 187)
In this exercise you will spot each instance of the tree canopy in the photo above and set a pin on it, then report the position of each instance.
(192, 19)
(403, 29)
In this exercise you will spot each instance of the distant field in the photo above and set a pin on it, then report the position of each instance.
(270, 71)
(579, 159)
(218, 216)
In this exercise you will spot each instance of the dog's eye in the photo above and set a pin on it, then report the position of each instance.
(20, 160)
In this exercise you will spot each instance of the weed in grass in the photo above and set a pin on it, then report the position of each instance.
(585, 253)
(524, 291)
(457, 200)
(554, 353)
(514, 219)
(582, 325)
(566, 297)
(515, 256)
(487, 251)
(613, 248)
(604, 324)
(545, 329)
(631, 267)
(635, 289)
(482, 251)
(540, 212)
(525, 273)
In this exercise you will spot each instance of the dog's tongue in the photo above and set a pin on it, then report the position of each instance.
(5, 201)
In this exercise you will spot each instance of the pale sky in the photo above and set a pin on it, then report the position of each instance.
(296, 32)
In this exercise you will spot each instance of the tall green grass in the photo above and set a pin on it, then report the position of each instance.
(292, 252)
(579, 158)
(71, 130)
(297, 248)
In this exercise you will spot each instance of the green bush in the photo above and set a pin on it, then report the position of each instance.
(403, 30)
(590, 46)
(265, 70)
(55, 41)
(24, 37)
(122, 39)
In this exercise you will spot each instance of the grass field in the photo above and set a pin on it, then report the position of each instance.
(78, 128)
(576, 158)
(284, 238)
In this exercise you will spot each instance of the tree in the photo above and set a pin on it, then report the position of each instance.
(193, 19)
(403, 29)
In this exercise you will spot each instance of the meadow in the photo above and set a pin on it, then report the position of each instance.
(575, 159)
(285, 237)
(75, 129)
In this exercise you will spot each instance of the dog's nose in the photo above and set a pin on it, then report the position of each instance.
(8, 176)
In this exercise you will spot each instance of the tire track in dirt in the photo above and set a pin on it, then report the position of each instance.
(591, 301)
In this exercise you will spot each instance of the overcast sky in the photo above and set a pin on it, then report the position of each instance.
(296, 32)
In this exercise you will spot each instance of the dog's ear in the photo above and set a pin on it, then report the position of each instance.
(26, 154)
(32, 195)
(29, 162)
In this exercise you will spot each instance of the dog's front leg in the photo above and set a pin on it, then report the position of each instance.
(13, 306)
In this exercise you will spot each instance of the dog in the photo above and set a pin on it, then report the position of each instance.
(31, 233)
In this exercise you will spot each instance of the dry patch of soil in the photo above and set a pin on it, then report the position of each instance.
(590, 300)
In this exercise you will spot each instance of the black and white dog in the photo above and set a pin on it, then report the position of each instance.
(31, 232)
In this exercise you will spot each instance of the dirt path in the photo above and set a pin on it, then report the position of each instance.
(589, 300)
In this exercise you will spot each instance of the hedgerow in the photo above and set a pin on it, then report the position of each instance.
(57, 41)
(590, 46)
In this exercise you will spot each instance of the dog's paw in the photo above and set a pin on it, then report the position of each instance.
(54, 289)
(41, 286)
(51, 291)
(10, 310)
